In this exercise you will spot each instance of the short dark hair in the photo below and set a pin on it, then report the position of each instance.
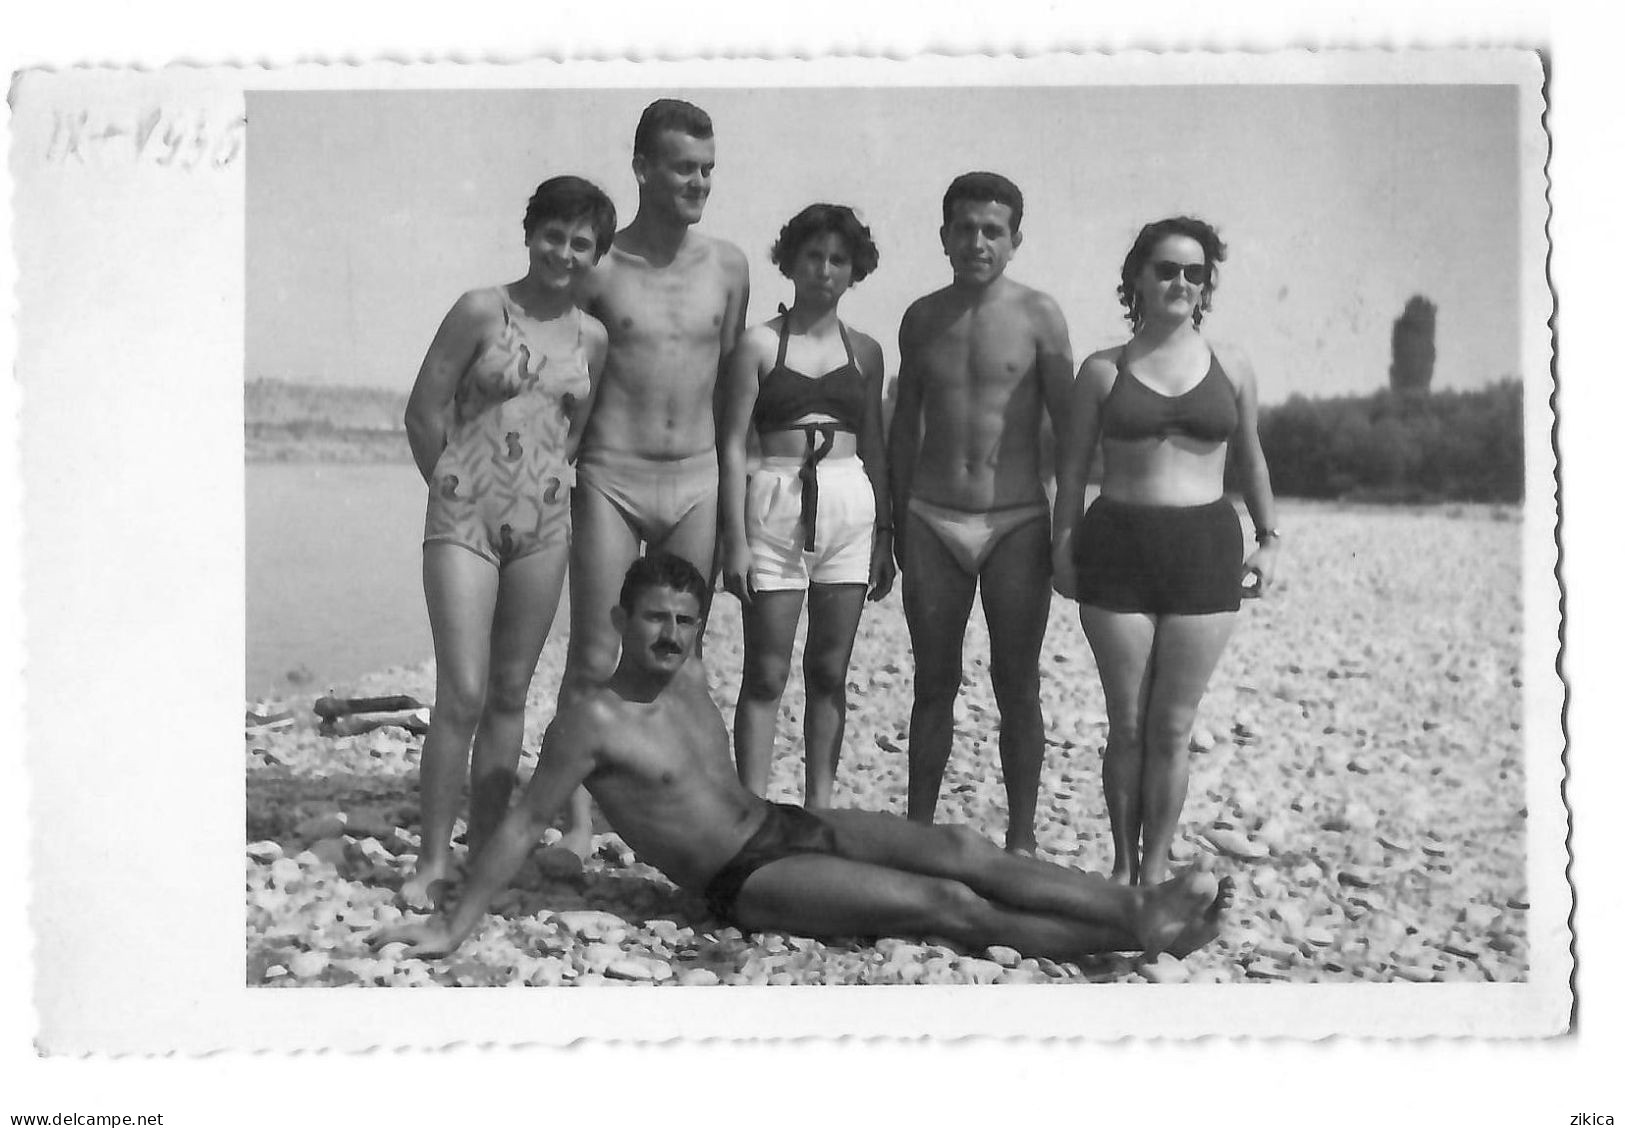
(822, 219)
(673, 114)
(661, 569)
(571, 198)
(983, 188)
(1146, 242)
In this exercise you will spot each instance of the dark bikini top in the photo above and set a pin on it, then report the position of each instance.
(1134, 411)
(785, 395)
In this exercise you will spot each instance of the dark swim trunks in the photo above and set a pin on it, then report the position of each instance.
(1161, 560)
(788, 830)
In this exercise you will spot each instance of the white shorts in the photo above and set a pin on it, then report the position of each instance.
(844, 526)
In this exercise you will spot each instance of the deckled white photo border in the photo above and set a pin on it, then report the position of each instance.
(131, 290)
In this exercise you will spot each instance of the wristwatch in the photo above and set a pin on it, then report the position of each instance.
(1262, 535)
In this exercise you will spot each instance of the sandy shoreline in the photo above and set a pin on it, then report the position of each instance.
(1359, 768)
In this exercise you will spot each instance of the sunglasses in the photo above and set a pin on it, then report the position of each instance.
(1195, 272)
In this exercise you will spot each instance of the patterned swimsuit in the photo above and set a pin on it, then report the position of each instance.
(501, 488)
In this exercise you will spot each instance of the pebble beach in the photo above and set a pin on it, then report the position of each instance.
(1357, 766)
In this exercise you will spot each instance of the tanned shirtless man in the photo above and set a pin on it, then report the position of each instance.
(673, 301)
(981, 360)
(650, 746)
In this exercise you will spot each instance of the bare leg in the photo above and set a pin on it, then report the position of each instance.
(527, 599)
(822, 895)
(1015, 600)
(603, 548)
(819, 895)
(1016, 880)
(694, 538)
(1121, 642)
(833, 611)
(770, 633)
(1186, 651)
(937, 598)
(460, 589)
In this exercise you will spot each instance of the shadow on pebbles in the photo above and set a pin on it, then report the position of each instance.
(1357, 766)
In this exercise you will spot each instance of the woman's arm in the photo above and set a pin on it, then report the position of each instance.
(738, 402)
(1255, 472)
(872, 452)
(596, 340)
(1055, 371)
(903, 438)
(449, 355)
(1074, 454)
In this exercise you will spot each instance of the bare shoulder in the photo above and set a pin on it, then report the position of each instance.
(479, 305)
(581, 726)
(759, 340)
(1234, 361)
(711, 253)
(1042, 310)
(1036, 301)
(924, 312)
(732, 258)
(871, 358)
(1099, 369)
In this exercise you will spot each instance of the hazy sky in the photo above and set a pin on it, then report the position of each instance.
(368, 213)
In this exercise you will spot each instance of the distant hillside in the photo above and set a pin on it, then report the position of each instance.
(287, 422)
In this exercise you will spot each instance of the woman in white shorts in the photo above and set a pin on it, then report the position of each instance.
(812, 522)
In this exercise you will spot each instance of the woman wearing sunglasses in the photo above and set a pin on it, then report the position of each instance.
(1156, 563)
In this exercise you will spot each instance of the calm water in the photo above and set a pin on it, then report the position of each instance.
(334, 588)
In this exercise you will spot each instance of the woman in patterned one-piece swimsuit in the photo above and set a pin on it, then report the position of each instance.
(494, 420)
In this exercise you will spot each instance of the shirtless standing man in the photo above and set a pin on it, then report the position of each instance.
(651, 747)
(673, 301)
(981, 359)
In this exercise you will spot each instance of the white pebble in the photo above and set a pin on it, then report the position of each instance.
(1006, 957)
(308, 965)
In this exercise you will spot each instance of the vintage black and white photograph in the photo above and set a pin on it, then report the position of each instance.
(978, 574)
(995, 530)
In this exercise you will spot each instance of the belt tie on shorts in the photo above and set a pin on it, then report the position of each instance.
(809, 478)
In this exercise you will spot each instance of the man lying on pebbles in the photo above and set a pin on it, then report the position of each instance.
(651, 747)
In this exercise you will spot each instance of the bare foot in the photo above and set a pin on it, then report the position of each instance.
(1206, 928)
(426, 888)
(424, 939)
(1169, 909)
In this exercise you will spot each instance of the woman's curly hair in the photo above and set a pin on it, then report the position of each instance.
(821, 219)
(1139, 254)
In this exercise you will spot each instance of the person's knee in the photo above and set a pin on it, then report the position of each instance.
(962, 847)
(1124, 731)
(936, 682)
(507, 691)
(954, 909)
(591, 659)
(765, 676)
(825, 675)
(1015, 685)
(1168, 731)
(459, 700)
